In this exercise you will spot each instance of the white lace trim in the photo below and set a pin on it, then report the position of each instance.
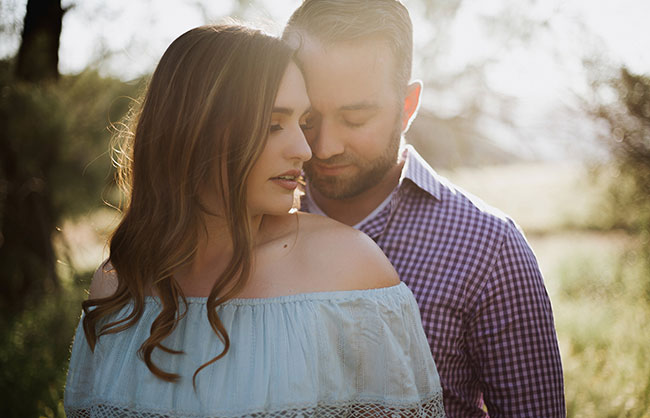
(432, 407)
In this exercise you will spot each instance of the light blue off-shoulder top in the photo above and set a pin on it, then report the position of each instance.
(359, 353)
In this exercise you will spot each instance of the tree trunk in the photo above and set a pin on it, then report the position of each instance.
(29, 140)
(38, 56)
(26, 253)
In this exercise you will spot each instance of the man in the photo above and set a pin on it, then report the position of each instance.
(483, 302)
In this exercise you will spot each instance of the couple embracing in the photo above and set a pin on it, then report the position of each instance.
(219, 300)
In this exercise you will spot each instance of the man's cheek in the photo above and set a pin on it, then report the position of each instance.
(311, 135)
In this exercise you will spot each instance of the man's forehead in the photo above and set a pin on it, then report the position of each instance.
(375, 50)
(353, 71)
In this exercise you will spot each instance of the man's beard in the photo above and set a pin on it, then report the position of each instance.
(370, 172)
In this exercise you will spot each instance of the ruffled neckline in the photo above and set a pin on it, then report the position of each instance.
(337, 295)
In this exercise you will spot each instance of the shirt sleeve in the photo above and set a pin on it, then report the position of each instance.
(512, 337)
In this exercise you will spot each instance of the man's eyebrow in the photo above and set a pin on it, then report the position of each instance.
(360, 106)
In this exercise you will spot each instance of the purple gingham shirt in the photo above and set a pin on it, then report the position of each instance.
(484, 306)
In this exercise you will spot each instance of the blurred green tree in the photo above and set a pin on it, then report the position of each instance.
(32, 130)
(629, 124)
(54, 165)
(54, 160)
(627, 120)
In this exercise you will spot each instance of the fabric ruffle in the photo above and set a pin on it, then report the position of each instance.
(358, 353)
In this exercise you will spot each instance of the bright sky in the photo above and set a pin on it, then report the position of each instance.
(138, 32)
(546, 70)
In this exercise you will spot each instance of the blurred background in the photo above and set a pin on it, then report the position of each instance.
(541, 108)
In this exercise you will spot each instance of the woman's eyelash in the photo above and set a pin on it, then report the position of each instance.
(276, 127)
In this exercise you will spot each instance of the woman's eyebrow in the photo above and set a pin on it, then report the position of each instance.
(288, 111)
(283, 110)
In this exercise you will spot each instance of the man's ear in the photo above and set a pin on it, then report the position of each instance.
(411, 103)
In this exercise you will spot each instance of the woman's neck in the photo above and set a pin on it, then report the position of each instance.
(213, 253)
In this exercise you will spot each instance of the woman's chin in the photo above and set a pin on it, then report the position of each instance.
(275, 210)
(281, 211)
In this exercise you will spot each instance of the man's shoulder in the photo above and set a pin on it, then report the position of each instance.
(446, 202)
(467, 204)
(457, 223)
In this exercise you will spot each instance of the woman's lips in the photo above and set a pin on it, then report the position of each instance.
(285, 183)
(288, 180)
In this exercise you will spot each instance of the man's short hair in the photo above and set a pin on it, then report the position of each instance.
(333, 21)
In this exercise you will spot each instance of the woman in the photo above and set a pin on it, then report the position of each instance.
(216, 301)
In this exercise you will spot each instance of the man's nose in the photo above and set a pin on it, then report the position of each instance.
(326, 141)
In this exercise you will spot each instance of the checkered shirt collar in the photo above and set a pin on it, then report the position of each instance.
(420, 173)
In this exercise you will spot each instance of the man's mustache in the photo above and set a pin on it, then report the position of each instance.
(341, 159)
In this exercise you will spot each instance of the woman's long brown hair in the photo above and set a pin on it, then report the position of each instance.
(201, 126)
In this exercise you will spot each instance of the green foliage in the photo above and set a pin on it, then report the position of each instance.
(64, 129)
(34, 353)
(92, 104)
(628, 120)
(604, 320)
(628, 137)
(33, 127)
(604, 329)
(54, 166)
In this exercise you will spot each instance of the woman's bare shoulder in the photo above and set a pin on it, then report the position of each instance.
(104, 282)
(341, 255)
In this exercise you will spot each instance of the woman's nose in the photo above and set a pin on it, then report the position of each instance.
(299, 147)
